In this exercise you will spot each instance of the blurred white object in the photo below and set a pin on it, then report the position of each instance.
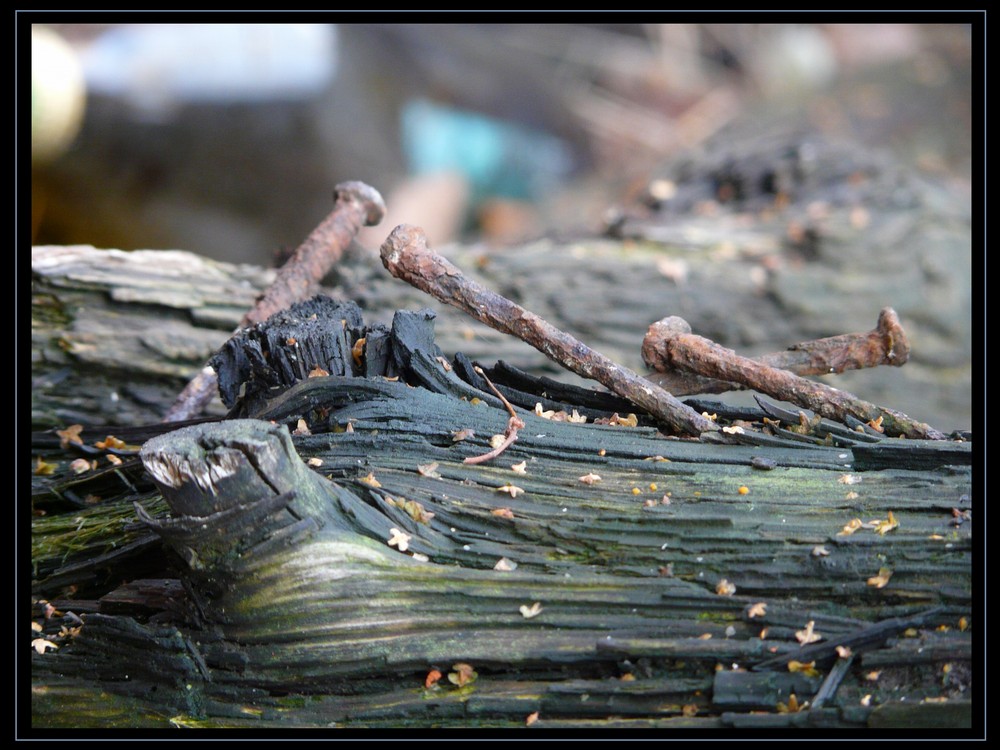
(160, 66)
(58, 94)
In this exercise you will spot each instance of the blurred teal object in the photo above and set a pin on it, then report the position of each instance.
(499, 159)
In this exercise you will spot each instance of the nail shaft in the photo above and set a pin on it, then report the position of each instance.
(886, 344)
(668, 347)
(355, 205)
(406, 256)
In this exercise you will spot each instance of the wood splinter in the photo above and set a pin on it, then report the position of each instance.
(670, 345)
(406, 256)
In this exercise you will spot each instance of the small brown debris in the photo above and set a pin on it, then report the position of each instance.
(370, 480)
(504, 565)
(725, 588)
(520, 468)
(111, 442)
(318, 372)
(533, 611)
(502, 512)
(44, 469)
(807, 634)
(882, 579)
(429, 470)
(758, 609)
(70, 435)
(40, 644)
(432, 678)
(590, 478)
(806, 668)
(399, 539)
(463, 675)
(531, 718)
(459, 435)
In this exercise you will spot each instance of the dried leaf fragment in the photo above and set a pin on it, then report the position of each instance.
(463, 674)
(70, 435)
(820, 551)
(758, 609)
(533, 611)
(496, 441)
(460, 435)
(429, 470)
(314, 462)
(36, 626)
(318, 372)
(884, 527)
(851, 526)
(398, 539)
(40, 644)
(737, 430)
(806, 668)
(543, 413)
(44, 469)
(807, 634)
(590, 478)
(793, 706)
(111, 442)
(725, 588)
(521, 468)
(432, 678)
(844, 652)
(511, 489)
(531, 718)
(358, 351)
(504, 565)
(78, 466)
(882, 579)
(502, 512)
(301, 428)
(370, 480)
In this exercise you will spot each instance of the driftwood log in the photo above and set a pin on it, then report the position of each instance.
(325, 558)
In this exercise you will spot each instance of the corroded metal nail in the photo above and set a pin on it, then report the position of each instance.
(886, 344)
(670, 345)
(406, 256)
(355, 205)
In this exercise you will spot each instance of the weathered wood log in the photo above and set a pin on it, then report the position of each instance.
(262, 581)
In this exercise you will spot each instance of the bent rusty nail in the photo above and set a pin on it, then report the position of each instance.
(670, 345)
(886, 344)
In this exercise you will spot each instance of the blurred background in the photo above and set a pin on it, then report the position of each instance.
(226, 140)
(768, 182)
